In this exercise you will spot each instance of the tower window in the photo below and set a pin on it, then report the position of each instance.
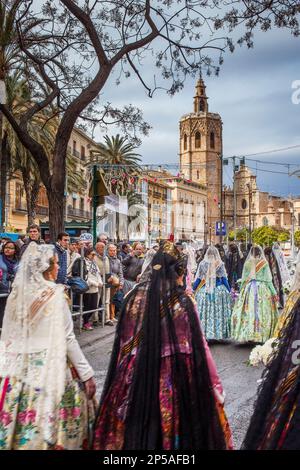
(198, 174)
(202, 106)
(184, 142)
(212, 140)
(244, 204)
(197, 140)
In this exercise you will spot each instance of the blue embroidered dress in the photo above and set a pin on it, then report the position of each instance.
(214, 307)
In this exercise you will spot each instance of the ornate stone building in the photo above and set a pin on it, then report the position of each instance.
(201, 151)
(255, 208)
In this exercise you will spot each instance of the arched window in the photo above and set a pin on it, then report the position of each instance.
(184, 142)
(265, 221)
(198, 174)
(212, 140)
(197, 140)
(202, 106)
(244, 204)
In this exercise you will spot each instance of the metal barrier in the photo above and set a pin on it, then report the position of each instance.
(79, 314)
(2, 296)
(81, 310)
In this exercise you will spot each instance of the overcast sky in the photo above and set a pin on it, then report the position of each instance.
(253, 96)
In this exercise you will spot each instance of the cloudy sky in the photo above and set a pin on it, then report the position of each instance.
(253, 95)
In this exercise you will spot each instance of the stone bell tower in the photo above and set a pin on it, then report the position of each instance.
(201, 151)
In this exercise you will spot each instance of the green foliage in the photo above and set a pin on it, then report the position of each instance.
(266, 236)
(297, 238)
(263, 236)
(284, 236)
(241, 235)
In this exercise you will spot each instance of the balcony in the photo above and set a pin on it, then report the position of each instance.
(42, 211)
(74, 152)
(79, 213)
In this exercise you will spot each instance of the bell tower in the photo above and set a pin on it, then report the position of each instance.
(201, 151)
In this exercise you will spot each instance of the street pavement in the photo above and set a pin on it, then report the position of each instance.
(238, 378)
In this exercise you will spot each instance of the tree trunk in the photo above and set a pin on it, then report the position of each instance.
(3, 171)
(27, 189)
(56, 213)
(35, 189)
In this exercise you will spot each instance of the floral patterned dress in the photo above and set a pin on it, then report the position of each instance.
(18, 427)
(255, 313)
(70, 425)
(214, 309)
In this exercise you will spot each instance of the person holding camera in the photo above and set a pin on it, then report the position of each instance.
(9, 261)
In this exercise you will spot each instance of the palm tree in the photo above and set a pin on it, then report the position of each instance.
(120, 161)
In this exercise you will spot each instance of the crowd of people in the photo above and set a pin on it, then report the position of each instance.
(162, 390)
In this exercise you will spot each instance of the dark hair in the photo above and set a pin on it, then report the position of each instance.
(10, 242)
(123, 246)
(61, 235)
(256, 251)
(87, 251)
(34, 226)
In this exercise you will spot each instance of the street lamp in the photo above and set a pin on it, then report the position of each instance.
(250, 202)
(2, 92)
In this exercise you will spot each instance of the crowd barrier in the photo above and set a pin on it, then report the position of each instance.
(77, 310)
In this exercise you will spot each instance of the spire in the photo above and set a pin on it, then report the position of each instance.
(200, 98)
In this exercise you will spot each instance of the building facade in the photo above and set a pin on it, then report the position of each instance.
(255, 208)
(78, 203)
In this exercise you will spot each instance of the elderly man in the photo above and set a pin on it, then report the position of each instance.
(133, 264)
(103, 264)
(116, 279)
(103, 238)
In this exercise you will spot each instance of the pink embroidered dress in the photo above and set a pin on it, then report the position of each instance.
(162, 390)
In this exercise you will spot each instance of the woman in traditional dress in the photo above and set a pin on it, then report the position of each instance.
(234, 266)
(275, 422)
(45, 380)
(276, 274)
(255, 313)
(212, 294)
(162, 390)
(282, 264)
(263, 354)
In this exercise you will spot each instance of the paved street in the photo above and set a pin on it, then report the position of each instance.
(239, 379)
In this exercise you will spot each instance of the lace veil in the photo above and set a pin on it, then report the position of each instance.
(278, 253)
(255, 256)
(33, 339)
